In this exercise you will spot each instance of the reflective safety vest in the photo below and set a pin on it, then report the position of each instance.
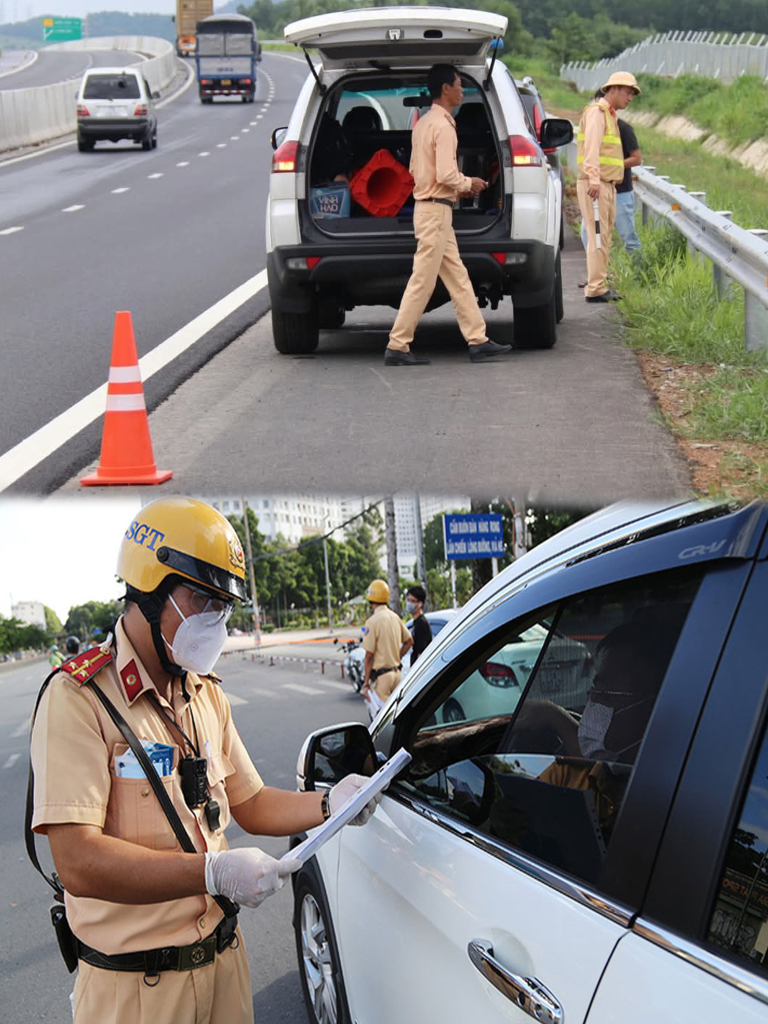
(611, 153)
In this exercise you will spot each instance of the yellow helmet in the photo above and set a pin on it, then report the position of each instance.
(619, 78)
(378, 592)
(182, 537)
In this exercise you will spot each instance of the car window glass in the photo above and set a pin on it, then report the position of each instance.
(111, 87)
(739, 922)
(534, 743)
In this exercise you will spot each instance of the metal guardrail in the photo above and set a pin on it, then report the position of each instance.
(738, 255)
(720, 55)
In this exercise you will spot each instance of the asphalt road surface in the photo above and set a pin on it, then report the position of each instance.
(52, 66)
(274, 708)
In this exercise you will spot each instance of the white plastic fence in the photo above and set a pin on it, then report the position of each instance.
(737, 254)
(31, 116)
(720, 55)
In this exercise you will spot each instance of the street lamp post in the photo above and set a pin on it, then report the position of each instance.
(328, 585)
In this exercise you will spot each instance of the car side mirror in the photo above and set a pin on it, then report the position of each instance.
(155, 95)
(277, 136)
(555, 132)
(331, 753)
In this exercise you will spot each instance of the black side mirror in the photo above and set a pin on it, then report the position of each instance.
(555, 131)
(329, 754)
(277, 136)
(155, 95)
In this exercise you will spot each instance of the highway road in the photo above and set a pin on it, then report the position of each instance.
(176, 237)
(164, 234)
(274, 709)
(52, 66)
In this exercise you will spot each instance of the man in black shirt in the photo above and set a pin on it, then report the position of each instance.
(421, 629)
(625, 196)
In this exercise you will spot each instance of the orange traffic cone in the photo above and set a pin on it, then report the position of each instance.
(126, 447)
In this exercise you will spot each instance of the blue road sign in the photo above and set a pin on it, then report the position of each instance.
(473, 535)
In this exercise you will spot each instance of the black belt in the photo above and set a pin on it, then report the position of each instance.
(171, 958)
(445, 202)
(376, 672)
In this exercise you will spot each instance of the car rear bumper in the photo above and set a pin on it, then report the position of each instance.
(122, 128)
(373, 273)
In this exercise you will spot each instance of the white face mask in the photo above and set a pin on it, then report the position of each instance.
(596, 720)
(199, 640)
(410, 607)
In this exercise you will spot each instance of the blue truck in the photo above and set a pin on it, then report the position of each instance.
(226, 55)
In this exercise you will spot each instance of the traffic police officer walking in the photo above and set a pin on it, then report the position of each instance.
(385, 641)
(152, 939)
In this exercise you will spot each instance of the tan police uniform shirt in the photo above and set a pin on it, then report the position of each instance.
(594, 128)
(74, 746)
(435, 173)
(384, 634)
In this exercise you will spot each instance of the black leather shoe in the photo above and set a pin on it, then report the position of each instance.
(394, 358)
(609, 296)
(489, 349)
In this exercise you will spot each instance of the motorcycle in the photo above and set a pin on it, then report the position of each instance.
(354, 663)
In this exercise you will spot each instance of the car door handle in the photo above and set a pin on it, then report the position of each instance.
(527, 993)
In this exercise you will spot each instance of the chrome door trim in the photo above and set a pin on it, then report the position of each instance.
(541, 873)
(707, 960)
(528, 994)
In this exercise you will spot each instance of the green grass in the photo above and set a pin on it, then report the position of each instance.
(280, 46)
(728, 185)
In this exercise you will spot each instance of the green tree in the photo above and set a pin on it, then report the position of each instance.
(16, 635)
(84, 620)
(53, 624)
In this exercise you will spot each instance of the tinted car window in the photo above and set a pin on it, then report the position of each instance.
(739, 923)
(111, 87)
(536, 743)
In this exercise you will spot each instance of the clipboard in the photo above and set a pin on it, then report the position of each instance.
(320, 835)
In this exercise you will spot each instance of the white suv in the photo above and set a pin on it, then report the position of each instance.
(327, 253)
(115, 103)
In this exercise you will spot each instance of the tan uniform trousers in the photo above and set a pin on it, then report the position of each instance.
(437, 255)
(219, 993)
(386, 683)
(597, 259)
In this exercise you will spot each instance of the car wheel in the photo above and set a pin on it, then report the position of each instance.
(146, 142)
(319, 969)
(536, 326)
(154, 140)
(453, 711)
(559, 307)
(294, 334)
(84, 144)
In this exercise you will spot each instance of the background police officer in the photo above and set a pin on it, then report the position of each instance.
(385, 641)
(153, 943)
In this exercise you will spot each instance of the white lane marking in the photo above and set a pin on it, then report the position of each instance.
(157, 174)
(266, 693)
(221, 145)
(49, 438)
(204, 153)
(245, 131)
(20, 730)
(73, 209)
(234, 700)
(11, 760)
(252, 123)
(308, 690)
(263, 109)
(11, 231)
(234, 138)
(259, 117)
(183, 163)
(119, 191)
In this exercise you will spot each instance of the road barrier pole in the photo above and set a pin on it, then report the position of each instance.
(719, 276)
(755, 313)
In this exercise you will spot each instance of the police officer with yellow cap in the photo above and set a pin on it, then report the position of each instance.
(151, 937)
(601, 168)
(385, 641)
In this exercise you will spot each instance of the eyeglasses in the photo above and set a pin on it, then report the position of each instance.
(201, 602)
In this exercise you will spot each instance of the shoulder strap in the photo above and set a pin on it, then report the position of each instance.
(229, 908)
(29, 836)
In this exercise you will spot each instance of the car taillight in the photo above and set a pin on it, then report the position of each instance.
(525, 152)
(497, 674)
(312, 261)
(246, 81)
(286, 158)
(141, 110)
(82, 110)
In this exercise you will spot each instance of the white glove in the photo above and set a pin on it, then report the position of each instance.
(343, 792)
(247, 875)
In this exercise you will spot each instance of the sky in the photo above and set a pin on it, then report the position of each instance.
(22, 10)
(62, 551)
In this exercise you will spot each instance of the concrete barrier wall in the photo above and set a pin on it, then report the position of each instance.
(31, 116)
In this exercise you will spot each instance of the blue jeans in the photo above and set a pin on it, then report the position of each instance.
(625, 222)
